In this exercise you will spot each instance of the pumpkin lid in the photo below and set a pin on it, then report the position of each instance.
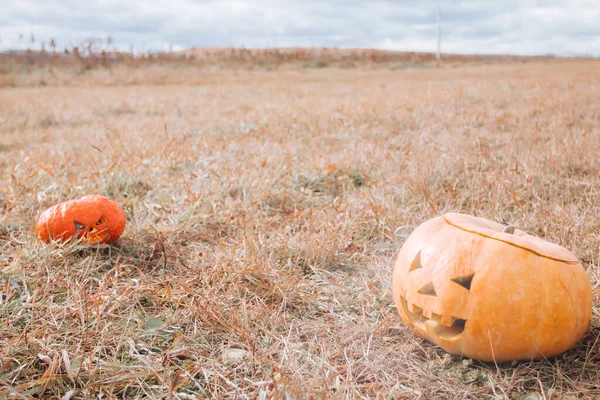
(494, 230)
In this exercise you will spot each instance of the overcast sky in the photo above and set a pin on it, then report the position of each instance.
(568, 27)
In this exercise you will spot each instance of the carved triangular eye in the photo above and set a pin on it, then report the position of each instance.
(464, 281)
(428, 290)
(79, 226)
(416, 263)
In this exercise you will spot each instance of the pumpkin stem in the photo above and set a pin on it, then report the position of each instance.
(510, 229)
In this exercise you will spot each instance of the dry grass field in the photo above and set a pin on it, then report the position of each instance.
(265, 209)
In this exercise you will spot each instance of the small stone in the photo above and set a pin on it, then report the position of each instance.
(232, 356)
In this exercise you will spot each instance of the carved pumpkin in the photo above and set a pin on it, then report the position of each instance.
(92, 219)
(464, 284)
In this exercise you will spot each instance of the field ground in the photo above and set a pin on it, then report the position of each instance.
(265, 209)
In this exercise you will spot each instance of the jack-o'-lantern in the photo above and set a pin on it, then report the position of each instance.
(92, 219)
(480, 291)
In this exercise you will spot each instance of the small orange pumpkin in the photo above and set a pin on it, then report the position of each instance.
(92, 219)
(485, 292)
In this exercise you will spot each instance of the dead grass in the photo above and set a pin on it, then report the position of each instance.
(264, 213)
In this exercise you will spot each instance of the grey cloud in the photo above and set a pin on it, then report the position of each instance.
(470, 26)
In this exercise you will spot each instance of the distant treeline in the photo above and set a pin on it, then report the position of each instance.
(97, 53)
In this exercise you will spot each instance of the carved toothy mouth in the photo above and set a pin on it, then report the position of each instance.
(91, 234)
(434, 323)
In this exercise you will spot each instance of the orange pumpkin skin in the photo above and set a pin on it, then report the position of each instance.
(462, 283)
(92, 219)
